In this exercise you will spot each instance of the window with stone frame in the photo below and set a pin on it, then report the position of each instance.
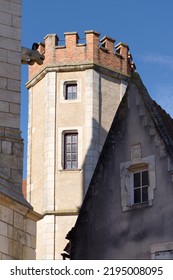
(71, 151)
(137, 178)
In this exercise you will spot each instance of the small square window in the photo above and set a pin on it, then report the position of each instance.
(71, 91)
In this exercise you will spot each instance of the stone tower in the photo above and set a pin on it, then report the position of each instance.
(73, 98)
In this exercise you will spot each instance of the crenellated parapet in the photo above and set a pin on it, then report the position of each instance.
(93, 52)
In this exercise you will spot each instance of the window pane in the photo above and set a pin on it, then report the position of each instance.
(69, 96)
(74, 148)
(68, 148)
(71, 91)
(145, 178)
(74, 165)
(68, 165)
(74, 156)
(74, 95)
(145, 194)
(74, 139)
(68, 156)
(68, 138)
(136, 180)
(137, 195)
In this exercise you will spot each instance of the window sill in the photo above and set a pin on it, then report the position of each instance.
(70, 101)
(70, 170)
(138, 206)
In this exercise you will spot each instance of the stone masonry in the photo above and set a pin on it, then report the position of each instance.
(17, 218)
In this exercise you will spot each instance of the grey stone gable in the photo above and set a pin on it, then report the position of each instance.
(163, 123)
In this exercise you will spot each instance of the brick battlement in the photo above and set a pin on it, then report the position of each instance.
(93, 51)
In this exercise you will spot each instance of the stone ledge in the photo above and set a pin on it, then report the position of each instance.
(76, 67)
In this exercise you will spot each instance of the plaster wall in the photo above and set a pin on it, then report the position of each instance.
(127, 234)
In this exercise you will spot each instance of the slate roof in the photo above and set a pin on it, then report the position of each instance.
(163, 122)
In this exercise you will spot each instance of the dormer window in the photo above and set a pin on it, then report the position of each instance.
(137, 182)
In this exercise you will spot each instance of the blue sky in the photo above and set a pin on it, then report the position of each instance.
(145, 26)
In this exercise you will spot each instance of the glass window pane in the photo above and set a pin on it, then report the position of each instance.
(136, 180)
(69, 89)
(69, 96)
(74, 95)
(74, 148)
(68, 148)
(68, 164)
(68, 156)
(137, 195)
(145, 178)
(74, 156)
(145, 194)
(74, 139)
(74, 165)
(68, 138)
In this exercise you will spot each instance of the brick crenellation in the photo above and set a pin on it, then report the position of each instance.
(94, 51)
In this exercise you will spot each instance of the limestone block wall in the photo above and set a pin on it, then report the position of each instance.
(17, 230)
(17, 218)
(11, 144)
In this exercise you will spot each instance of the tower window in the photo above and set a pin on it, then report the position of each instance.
(71, 151)
(71, 91)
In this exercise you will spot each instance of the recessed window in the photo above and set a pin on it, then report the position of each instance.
(71, 151)
(138, 182)
(71, 91)
(140, 185)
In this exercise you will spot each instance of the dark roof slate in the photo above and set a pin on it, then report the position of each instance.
(163, 122)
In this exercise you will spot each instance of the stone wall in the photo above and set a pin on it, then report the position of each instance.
(17, 230)
(17, 218)
(11, 143)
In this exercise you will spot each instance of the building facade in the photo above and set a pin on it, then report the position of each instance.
(127, 211)
(73, 98)
(17, 218)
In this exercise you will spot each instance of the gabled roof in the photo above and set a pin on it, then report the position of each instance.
(163, 124)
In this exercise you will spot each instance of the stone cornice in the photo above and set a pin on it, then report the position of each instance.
(76, 67)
